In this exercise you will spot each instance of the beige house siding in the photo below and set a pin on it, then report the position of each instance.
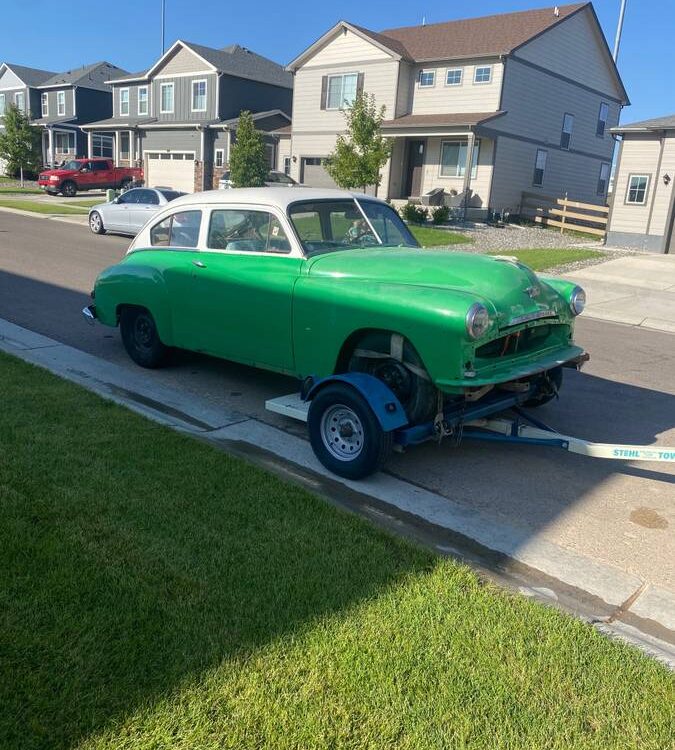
(183, 61)
(480, 184)
(573, 49)
(536, 103)
(346, 48)
(644, 225)
(379, 78)
(466, 97)
(283, 151)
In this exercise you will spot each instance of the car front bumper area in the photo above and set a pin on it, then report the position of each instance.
(89, 313)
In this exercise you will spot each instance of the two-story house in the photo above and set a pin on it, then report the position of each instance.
(59, 103)
(484, 108)
(178, 119)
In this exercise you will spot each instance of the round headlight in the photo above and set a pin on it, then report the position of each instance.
(477, 320)
(578, 300)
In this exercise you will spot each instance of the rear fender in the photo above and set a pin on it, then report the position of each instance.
(386, 407)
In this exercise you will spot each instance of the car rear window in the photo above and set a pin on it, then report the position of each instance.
(178, 230)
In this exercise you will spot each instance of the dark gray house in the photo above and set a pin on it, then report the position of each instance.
(60, 103)
(178, 118)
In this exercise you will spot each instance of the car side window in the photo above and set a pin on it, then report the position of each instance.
(148, 198)
(178, 230)
(99, 166)
(247, 231)
(128, 197)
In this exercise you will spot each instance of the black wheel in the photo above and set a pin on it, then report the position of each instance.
(69, 189)
(96, 223)
(393, 360)
(548, 383)
(124, 185)
(140, 338)
(345, 434)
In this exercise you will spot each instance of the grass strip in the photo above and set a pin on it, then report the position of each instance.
(543, 258)
(429, 237)
(156, 593)
(43, 208)
(20, 191)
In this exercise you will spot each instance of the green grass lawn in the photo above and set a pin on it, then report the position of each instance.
(156, 593)
(543, 258)
(43, 208)
(85, 203)
(20, 191)
(430, 237)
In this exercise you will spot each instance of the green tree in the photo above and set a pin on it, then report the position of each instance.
(19, 143)
(248, 160)
(361, 153)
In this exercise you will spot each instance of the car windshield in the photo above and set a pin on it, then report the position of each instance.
(170, 195)
(72, 165)
(329, 225)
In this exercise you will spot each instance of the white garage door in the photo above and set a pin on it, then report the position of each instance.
(173, 169)
(314, 174)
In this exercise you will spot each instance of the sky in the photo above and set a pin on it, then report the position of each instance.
(56, 36)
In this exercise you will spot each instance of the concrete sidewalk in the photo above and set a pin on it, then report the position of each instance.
(638, 290)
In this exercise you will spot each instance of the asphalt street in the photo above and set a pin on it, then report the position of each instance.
(618, 513)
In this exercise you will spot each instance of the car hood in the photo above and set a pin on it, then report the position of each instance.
(57, 172)
(511, 288)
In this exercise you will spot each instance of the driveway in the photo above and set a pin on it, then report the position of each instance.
(638, 290)
(546, 507)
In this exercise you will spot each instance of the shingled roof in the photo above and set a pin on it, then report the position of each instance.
(92, 76)
(475, 37)
(470, 37)
(657, 123)
(30, 76)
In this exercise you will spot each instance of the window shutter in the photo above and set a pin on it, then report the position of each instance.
(359, 83)
(324, 91)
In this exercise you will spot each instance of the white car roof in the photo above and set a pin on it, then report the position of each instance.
(279, 197)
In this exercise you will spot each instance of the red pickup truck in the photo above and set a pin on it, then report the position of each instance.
(87, 174)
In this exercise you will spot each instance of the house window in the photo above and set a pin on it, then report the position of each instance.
(142, 100)
(64, 143)
(637, 189)
(60, 103)
(199, 96)
(124, 145)
(603, 114)
(427, 78)
(102, 145)
(2, 105)
(341, 90)
(269, 154)
(453, 158)
(44, 101)
(166, 98)
(453, 77)
(287, 165)
(20, 100)
(566, 134)
(539, 167)
(124, 102)
(603, 179)
(483, 74)
(219, 157)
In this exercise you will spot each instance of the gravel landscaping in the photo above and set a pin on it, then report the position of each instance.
(512, 237)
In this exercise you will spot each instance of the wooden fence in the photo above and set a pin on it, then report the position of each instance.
(565, 214)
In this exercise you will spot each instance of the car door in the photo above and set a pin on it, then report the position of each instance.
(242, 290)
(87, 177)
(102, 175)
(141, 209)
(117, 213)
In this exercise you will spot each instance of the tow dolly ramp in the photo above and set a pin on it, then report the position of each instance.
(523, 429)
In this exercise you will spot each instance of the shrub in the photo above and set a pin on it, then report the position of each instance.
(440, 215)
(413, 214)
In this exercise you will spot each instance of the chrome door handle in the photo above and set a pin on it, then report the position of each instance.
(199, 264)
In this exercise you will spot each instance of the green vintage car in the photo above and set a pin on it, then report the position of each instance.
(317, 282)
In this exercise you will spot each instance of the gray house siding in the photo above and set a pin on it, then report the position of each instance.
(9, 98)
(237, 94)
(34, 103)
(92, 105)
(172, 139)
(52, 98)
(182, 99)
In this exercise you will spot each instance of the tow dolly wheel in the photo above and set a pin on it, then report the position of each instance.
(345, 434)
(548, 385)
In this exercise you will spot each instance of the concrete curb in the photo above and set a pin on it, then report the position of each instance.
(621, 591)
(81, 219)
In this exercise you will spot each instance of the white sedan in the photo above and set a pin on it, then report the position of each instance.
(129, 212)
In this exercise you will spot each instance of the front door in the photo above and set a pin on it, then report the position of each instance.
(415, 163)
